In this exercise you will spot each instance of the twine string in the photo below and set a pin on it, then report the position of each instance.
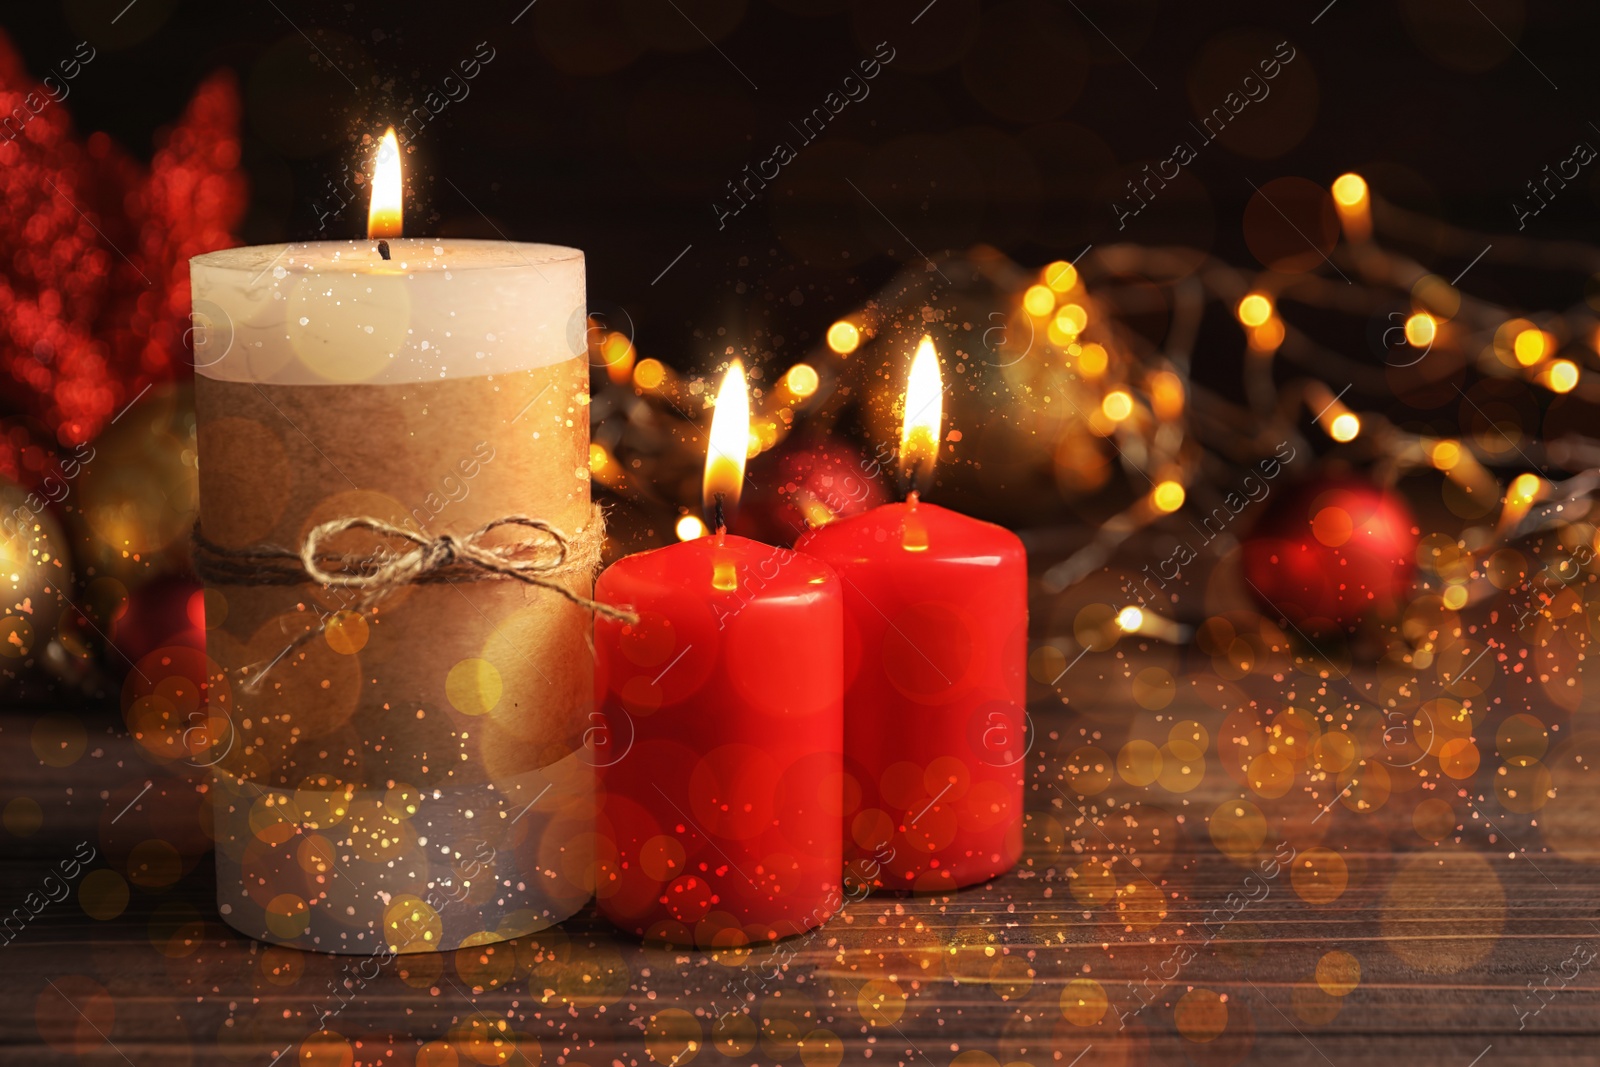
(543, 559)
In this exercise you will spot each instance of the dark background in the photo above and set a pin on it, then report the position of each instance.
(614, 125)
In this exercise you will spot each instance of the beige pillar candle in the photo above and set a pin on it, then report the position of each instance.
(412, 776)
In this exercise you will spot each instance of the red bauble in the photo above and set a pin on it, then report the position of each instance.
(168, 611)
(809, 484)
(1332, 551)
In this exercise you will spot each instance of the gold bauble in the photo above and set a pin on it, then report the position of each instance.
(137, 497)
(34, 569)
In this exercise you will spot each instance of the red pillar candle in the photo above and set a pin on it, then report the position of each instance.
(721, 748)
(936, 614)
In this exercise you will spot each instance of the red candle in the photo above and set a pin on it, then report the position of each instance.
(936, 620)
(721, 763)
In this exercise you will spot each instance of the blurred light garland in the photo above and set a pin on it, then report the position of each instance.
(1137, 396)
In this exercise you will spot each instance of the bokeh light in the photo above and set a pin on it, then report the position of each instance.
(802, 380)
(1349, 190)
(1061, 276)
(1039, 300)
(844, 337)
(1345, 427)
(1421, 329)
(1254, 309)
(649, 374)
(1529, 347)
(1168, 496)
(1562, 376)
(1524, 489)
(1092, 360)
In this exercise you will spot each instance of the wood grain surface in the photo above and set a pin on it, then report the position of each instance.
(1122, 892)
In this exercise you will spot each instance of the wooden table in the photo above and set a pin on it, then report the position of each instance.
(1116, 888)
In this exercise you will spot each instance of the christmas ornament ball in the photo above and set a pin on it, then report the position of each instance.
(167, 611)
(804, 484)
(137, 497)
(34, 568)
(1332, 551)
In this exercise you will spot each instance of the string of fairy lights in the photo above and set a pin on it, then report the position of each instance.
(1136, 397)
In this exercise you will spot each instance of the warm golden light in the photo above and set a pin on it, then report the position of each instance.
(1064, 328)
(603, 467)
(617, 353)
(1421, 330)
(1130, 619)
(1166, 395)
(843, 337)
(384, 210)
(815, 512)
(1336, 420)
(1529, 347)
(1039, 300)
(1524, 489)
(729, 441)
(1268, 336)
(913, 531)
(1562, 377)
(1061, 276)
(1462, 467)
(690, 527)
(1349, 190)
(919, 430)
(802, 380)
(1353, 201)
(1255, 309)
(649, 374)
(1068, 324)
(1345, 427)
(1168, 496)
(1092, 360)
(1062, 333)
(1117, 405)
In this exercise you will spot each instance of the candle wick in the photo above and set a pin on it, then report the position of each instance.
(719, 515)
(913, 534)
(383, 249)
(911, 483)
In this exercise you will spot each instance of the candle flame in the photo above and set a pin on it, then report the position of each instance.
(383, 212)
(919, 433)
(729, 442)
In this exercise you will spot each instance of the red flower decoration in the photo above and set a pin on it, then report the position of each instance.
(94, 260)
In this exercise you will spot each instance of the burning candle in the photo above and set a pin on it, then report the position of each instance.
(936, 613)
(722, 711)
(431, 744)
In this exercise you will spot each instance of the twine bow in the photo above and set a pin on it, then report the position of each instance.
(446, 557)
(541, 560)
